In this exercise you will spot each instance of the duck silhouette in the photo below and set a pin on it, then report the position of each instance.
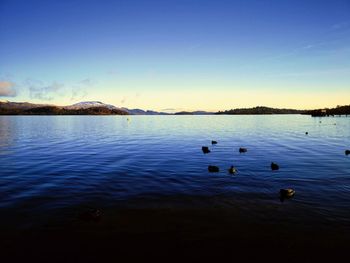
(274, 166)
(232, 170)
(286, 193)
(205, 149)
(243, 150)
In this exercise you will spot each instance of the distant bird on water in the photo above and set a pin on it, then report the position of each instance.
(243, 150)
(232, 170)
(274, 166)
(205, 149)
(214, 142)
(347, 152)
(286, 193)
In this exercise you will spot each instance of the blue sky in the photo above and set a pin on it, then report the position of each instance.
(183, 55)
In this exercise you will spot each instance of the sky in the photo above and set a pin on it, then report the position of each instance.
(176, 55)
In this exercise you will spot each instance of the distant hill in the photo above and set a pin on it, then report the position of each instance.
(81, 108)
(20, 105)
(194, 113)
(183, 113)
(53, 110)
(91, 104)
(100, 108)
(339, 110)
(260, 110)
(142, 112)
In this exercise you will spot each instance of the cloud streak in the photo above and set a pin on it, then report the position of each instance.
(47, 92)
(7, 89)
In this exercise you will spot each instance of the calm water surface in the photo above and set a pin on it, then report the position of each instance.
(52, 166)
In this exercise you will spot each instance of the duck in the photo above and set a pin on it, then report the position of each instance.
(232, 170)
(274, 166)
(214, 142)
(347, 152)
(205, 149)
(307, 133)
(213, 169)
(287, 193)
(243, 150)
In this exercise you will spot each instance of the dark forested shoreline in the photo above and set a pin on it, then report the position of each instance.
(52, 110)
(260, 110)
(18, 108)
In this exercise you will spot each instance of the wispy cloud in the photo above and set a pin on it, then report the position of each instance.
(87, 82)
(79, 91)
(44, 92)
(7, 89)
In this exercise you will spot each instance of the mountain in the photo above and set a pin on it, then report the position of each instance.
(91, 104)
(84, 108)
(20, 105)
(142, 112)
(260, 110)
(81, 108)
(99, 108)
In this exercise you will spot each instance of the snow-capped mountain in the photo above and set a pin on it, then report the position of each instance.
(91, 104)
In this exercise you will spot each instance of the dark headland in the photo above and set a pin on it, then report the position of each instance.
(99, 108)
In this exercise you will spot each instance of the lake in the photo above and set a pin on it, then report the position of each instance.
(145, 172)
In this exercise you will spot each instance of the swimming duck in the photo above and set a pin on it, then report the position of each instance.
(287, 193)
(205, 149)
(232, 170)
(347, 152)
(214, 142)
(306, 133)
(213, 169)
(274, 166)
(243, 150)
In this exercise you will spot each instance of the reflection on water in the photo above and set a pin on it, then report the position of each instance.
(58, 163)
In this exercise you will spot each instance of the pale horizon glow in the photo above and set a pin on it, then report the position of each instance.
(177, 55)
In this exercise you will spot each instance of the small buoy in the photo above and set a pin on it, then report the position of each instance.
(205, 149)
(91, 215)
(214, 142)
(274, 166)
(287, 193)
(232, 170)
(306, 133)
(347, 152)
(213, 169)
(243, 150)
